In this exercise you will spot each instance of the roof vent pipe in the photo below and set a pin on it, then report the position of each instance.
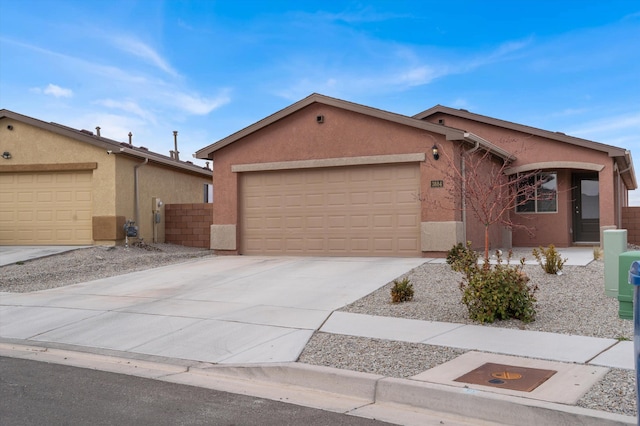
(176, 153)
(98, 131)
(130, 136)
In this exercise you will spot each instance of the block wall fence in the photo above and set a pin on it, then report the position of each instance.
(631, 222)
(188, 224)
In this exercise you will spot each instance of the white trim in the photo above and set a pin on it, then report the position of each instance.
(554, 165)
(330, 162)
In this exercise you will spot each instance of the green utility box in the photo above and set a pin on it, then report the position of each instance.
(625, 290)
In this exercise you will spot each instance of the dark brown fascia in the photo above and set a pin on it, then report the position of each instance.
(105, 143)
(597, 146)
(621, 156)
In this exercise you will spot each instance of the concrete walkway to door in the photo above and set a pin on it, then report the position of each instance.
(238, 309)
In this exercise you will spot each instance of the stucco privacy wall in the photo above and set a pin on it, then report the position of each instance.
(534, 149)
(343, 134)
(631, 222)
(170, 185)
(189, 224)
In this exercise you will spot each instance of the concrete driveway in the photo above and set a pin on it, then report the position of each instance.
(13, 254)
(236, 309)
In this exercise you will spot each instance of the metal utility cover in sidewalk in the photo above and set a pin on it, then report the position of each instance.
(566, 385)
(507, 376)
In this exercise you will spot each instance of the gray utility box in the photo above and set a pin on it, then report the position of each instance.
(614, 243)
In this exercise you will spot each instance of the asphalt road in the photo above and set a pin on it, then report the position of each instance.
(37, 393)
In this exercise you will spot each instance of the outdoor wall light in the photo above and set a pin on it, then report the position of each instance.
(434, 150)
(6, 155)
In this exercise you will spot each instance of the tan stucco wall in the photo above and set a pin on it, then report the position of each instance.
(299, 137)
(154, 180)
(112, 177)
(34, 149)
(32, 145)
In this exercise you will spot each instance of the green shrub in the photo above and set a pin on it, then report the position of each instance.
(498, 293)
(402, 291)
(549, 259)
(462, 258)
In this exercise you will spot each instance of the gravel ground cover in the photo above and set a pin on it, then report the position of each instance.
(92, 263)
(571, 303)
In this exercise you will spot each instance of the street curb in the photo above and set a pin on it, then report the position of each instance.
(350, 392)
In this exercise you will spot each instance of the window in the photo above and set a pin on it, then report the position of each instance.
(208, 193)
(538, 194)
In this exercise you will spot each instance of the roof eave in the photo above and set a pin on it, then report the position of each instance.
(449, 132)
(489, 147)
(166, 161)
(559, 136)
(102, 142)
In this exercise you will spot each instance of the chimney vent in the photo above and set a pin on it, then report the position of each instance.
(175, 144)
(130, 136)
(98, 130)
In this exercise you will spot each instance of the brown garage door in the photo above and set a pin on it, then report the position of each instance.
(45, 208)
(340, 211)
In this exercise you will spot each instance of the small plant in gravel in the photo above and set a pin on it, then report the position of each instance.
(498, 293)
(402, 291)
(462, 258)
(549, 259)
(598, 253)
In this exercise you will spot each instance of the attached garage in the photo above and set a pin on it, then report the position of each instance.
(326, 177)
(46, 208)
(369, 210)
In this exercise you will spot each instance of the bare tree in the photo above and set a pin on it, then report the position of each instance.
(478, 184)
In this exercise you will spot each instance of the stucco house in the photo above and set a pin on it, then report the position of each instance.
(325, 176)
(62, 186)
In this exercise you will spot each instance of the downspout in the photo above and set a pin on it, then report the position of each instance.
(464, 189)
(135, 191)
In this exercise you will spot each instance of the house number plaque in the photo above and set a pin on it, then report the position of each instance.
(437, 184)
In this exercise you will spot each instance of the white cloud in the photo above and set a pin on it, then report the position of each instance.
(501, 53)
(196, 104)
(128, 106)
(417, 76)
(460, 103)
(607, 126)
(569, 112)
(53, 90)
(141, 50)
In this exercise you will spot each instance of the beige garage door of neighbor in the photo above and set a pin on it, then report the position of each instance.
(339, 211)
(45, 208)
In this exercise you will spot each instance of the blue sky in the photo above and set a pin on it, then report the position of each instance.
(211, 68)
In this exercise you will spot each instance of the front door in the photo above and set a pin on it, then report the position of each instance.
(586, 207)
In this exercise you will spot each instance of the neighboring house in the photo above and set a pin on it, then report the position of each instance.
(329, 177)
(61, 186)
